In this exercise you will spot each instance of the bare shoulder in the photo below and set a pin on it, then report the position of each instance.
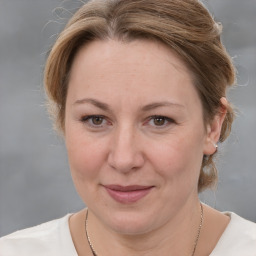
(213, 216)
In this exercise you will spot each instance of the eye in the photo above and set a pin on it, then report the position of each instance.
(160, 121)
(95, 121)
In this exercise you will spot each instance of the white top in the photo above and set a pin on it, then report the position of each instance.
(54, 239)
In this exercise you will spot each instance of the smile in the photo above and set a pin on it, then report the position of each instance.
(127, 194)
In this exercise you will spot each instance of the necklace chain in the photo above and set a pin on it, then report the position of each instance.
(199, 229)
(87, 235)
(195, 244)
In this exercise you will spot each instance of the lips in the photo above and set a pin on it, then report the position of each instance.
(127, 194)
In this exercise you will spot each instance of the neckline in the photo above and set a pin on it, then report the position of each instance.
(67, 233)
(237, 232)
(222, 239)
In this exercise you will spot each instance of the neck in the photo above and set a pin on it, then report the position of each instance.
(176, 237)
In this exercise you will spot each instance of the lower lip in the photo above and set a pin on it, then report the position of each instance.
(127, 197)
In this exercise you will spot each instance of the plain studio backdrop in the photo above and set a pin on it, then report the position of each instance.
(35, 184)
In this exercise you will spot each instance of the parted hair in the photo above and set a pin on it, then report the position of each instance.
(185, 26)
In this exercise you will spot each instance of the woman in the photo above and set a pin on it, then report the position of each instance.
(137, 87)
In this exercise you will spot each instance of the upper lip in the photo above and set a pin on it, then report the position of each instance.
(126, 188)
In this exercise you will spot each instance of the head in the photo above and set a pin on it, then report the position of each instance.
(184, 27)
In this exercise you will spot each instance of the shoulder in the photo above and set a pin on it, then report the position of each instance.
(238, 239)
(50, 238)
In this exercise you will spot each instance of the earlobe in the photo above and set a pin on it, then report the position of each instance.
(214, 129)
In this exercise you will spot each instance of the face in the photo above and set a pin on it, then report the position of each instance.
(134, 133)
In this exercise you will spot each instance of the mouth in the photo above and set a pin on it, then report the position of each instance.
(127, 194)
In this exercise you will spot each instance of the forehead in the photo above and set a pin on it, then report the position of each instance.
(142, 69)
(122, 54)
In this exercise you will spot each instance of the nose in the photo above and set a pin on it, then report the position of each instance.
(125, 152)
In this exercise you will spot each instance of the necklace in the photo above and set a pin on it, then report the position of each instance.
(87, 236)
(195, 243)
(199, 229)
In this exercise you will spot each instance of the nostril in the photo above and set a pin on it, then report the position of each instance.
(125, 154)
(125, 162)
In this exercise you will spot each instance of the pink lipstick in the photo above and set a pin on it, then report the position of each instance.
(127, 194)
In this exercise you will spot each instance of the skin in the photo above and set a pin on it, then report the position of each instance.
(125, 85)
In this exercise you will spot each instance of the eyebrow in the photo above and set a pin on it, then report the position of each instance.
(94, 102)
(145, 108)
(161, 104)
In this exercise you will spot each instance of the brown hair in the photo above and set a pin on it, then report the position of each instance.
(184, 25)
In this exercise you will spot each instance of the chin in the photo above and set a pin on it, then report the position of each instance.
(130, 223)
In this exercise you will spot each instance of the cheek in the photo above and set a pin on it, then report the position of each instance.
(179, 158)
(86, 156)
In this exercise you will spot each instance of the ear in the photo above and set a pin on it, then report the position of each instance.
(213, 129)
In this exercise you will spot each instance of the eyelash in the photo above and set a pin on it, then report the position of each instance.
(167, 121)
(88, 120)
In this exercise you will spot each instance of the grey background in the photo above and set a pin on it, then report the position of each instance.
(35, 184)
